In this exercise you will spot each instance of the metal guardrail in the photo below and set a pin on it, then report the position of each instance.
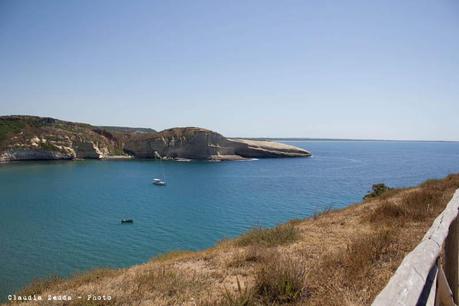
(421, 279)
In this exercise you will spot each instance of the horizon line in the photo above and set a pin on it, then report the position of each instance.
(340, 139)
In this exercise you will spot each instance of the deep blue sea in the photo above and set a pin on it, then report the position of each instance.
(64, 217)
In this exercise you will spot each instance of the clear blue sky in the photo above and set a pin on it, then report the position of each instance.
(344, 69)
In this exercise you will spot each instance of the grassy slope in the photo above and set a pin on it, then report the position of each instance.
(30, 126)
(340, 257)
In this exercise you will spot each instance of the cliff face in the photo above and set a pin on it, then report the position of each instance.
(197, 143)
(36, 138)
(263, 149)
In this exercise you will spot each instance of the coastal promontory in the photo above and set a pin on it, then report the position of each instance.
(40, 138)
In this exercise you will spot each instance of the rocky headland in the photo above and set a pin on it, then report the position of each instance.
(39, 138)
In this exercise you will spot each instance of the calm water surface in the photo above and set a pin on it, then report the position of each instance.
(63, 217)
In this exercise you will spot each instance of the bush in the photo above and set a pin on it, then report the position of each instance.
(377, 190)
(243, 297)
(280, 280)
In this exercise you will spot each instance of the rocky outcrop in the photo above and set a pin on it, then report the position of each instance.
(36, 138)
(197, 143)
(89, 150)
(264, 149)
(32, 154)
(191, 143)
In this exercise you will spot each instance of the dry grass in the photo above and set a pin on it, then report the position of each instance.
(387, 212)
(249, 256)
(243, 297)
(418, 204)
(79, 279)
(322, 212)
(340, 257)
(390, 193)
(170, 283)
(280, 280)
(38, 286)
(277, 279)
(173, 255)
(347, 275)
(281, 234)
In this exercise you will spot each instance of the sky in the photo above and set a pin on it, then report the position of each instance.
(322, 69)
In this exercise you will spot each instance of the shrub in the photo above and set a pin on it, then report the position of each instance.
(377, 190)
(243, 297)
(280, 280)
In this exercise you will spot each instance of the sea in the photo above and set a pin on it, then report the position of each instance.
(63, 217)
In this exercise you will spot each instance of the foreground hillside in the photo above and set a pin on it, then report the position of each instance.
(337, 257)
(37, 138)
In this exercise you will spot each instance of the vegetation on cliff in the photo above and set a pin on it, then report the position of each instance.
(338, 257)
(377, 190)
(30, 134)
(9, 127)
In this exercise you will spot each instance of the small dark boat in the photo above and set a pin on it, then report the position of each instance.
(127, 221)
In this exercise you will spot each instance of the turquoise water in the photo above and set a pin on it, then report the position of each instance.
(63, 217)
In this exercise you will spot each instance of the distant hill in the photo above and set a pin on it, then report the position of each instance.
(123, 129)
(41, 138)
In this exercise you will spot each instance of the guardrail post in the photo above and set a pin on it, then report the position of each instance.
(452, 259)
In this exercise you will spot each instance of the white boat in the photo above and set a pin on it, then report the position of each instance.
(159, 182)
(185, 160)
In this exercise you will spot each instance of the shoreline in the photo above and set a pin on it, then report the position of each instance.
(127, 158)
(221, 158)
